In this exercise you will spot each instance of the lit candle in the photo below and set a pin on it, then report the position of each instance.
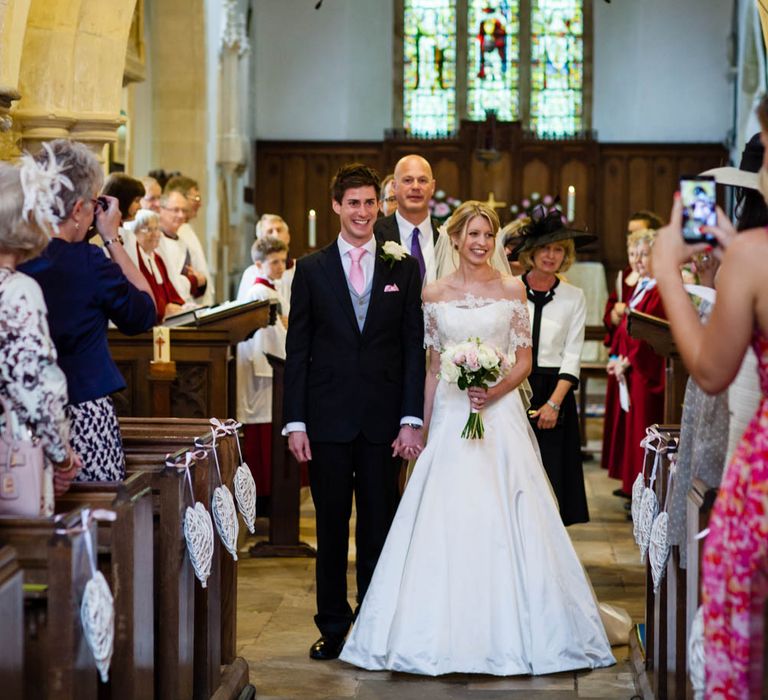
(312, 238)
(571, 206)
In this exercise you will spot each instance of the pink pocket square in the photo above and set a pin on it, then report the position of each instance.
(391, 288)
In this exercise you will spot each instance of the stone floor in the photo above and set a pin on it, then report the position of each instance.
(275, 627)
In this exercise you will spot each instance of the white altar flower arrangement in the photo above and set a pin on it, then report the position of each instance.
(473, 363)
(392, 252)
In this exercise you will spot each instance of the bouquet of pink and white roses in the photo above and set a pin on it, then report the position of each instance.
(472, 363)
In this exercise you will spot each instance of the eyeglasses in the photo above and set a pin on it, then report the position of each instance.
(176, 210)
(390, 200)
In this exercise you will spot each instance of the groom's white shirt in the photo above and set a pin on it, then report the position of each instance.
(367, 262)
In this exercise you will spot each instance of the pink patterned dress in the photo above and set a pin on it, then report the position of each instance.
(735, 566)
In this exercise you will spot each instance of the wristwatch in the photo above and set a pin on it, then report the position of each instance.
(413, 426)
(117, 239)
(554, 406)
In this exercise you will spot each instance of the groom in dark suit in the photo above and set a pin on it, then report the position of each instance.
(411, 225)
(354, 392)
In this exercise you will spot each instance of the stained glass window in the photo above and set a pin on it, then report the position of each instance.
(493, 59)
(489, 56)
(557, 66)
(429, 66)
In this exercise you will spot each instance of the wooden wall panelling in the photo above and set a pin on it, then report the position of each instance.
(536, 178)
(492, 177)
(641, 174)
(611, 180)
(612, 225)
(319, 199)
(294, 207)
(666, 173)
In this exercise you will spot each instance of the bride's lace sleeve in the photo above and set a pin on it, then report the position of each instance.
(431, 336)
(519, 327)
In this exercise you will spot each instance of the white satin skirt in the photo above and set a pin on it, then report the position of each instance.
(478, 574)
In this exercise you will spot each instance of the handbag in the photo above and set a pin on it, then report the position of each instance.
(22, 468)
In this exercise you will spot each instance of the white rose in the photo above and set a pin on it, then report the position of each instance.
(395, 250)
(487, 357)
(449, 371)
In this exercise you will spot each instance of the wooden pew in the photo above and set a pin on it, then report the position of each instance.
(173, 579)
(148, 437)
(54, 558)
(125, 555)
(12, 616)
(146, 442)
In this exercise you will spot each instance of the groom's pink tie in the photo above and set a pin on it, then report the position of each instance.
(356, 276)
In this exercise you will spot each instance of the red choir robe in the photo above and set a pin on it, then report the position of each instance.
(623, 430)
(164, 293)
(613, 298)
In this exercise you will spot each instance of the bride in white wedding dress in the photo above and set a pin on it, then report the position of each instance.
(478, 574)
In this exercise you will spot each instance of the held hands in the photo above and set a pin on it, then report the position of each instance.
(409, 443)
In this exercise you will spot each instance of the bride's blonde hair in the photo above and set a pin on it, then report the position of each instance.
(456, 226)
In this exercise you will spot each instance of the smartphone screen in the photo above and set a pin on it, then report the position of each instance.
(698, 196)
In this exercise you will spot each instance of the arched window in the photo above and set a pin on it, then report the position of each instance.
(522, 59)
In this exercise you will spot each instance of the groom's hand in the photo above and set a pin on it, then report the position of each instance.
(409, 443)
(298, 444)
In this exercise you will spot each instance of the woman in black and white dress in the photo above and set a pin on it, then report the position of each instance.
(558, 316)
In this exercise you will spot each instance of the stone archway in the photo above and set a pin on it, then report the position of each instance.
(66, 58)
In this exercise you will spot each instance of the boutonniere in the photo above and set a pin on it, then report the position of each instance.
(392, 252)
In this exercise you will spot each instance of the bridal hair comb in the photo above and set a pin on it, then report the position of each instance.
(42, 183)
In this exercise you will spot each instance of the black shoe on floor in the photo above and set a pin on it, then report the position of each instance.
(621, 494)
(326, 648)
(627, 506)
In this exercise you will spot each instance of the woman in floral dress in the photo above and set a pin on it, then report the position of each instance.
(735, 563)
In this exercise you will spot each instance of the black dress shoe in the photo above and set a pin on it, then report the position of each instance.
(621, 494)
(326, 648)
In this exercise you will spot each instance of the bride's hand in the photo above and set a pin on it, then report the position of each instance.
(478, 397)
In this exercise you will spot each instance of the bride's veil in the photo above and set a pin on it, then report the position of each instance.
(447, 259)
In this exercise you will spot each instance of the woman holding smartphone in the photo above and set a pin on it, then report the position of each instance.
(735, 561)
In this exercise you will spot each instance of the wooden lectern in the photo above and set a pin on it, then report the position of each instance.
(202, 348)
(655, 331)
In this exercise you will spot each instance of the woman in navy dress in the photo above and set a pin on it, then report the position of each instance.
(85, 290)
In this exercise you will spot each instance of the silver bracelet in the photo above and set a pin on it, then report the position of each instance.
(554, 406)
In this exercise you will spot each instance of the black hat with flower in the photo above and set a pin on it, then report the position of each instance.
(547, 225)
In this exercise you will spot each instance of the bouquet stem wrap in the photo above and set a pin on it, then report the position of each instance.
(474, 428)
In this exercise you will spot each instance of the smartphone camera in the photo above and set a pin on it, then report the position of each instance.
(102, 203)
(698, 197)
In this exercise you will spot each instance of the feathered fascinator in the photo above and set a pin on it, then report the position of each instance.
(42, 184)
(546, 226)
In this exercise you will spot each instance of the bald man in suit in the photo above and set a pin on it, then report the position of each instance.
(411, 225)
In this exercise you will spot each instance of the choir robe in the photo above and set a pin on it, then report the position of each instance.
(254, 388)
(613, 298)
(623, 430)
(163, 291)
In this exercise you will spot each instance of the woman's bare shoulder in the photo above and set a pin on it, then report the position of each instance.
(513, 288)
(437, 290)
